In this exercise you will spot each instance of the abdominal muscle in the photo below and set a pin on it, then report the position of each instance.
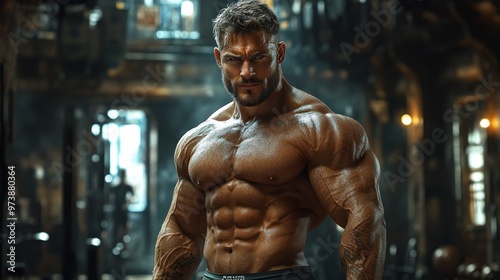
(254, 228)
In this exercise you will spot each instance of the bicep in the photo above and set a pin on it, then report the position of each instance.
(348, 192)
(343, 170)
(187, 210)
(187, 213)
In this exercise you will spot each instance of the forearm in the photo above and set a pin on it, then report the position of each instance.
(362, 250)
(176, 256)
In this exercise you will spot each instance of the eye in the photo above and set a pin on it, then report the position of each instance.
(233, 58)
(259, 57)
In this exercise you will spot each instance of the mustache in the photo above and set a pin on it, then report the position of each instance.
(248, 81)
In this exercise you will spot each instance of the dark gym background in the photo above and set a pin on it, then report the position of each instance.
(90, 87)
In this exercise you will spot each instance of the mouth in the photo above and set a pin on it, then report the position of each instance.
(248, 85)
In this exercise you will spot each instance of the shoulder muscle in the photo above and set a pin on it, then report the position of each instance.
(335, 140)
(187, 143)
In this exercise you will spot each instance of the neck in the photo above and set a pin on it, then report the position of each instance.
(270, 106)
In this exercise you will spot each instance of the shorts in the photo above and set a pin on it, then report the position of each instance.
(295, 273)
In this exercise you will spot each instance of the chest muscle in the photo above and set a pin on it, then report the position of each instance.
(255, 155)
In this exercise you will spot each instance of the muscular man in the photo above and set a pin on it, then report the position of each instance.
(266, 169)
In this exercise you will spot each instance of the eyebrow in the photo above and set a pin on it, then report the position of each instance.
(251, 54)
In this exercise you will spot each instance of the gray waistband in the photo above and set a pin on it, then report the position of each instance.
(268, 275)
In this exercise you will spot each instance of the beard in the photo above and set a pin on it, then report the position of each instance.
(271, 85)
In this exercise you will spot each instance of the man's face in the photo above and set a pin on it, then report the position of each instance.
(249, 64)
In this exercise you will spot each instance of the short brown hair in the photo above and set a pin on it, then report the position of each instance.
(244, 17)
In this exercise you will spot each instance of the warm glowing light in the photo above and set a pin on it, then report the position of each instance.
(120, 5)
(406, 119)
(484, 123)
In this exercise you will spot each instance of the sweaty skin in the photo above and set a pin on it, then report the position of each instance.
(254, 181)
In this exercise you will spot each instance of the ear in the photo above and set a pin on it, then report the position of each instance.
(281, 52)
(217, 56)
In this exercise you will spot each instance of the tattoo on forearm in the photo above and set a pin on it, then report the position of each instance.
(350, 259)
(354, 254)
(177, 269)
(363, 250)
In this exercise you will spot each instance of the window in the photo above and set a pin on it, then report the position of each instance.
(471, 152)
(475, 161)
(163, 20)
(127, 136)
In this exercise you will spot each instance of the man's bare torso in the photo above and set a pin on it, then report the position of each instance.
(258, 198)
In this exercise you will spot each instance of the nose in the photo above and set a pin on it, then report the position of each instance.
(247, 70)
